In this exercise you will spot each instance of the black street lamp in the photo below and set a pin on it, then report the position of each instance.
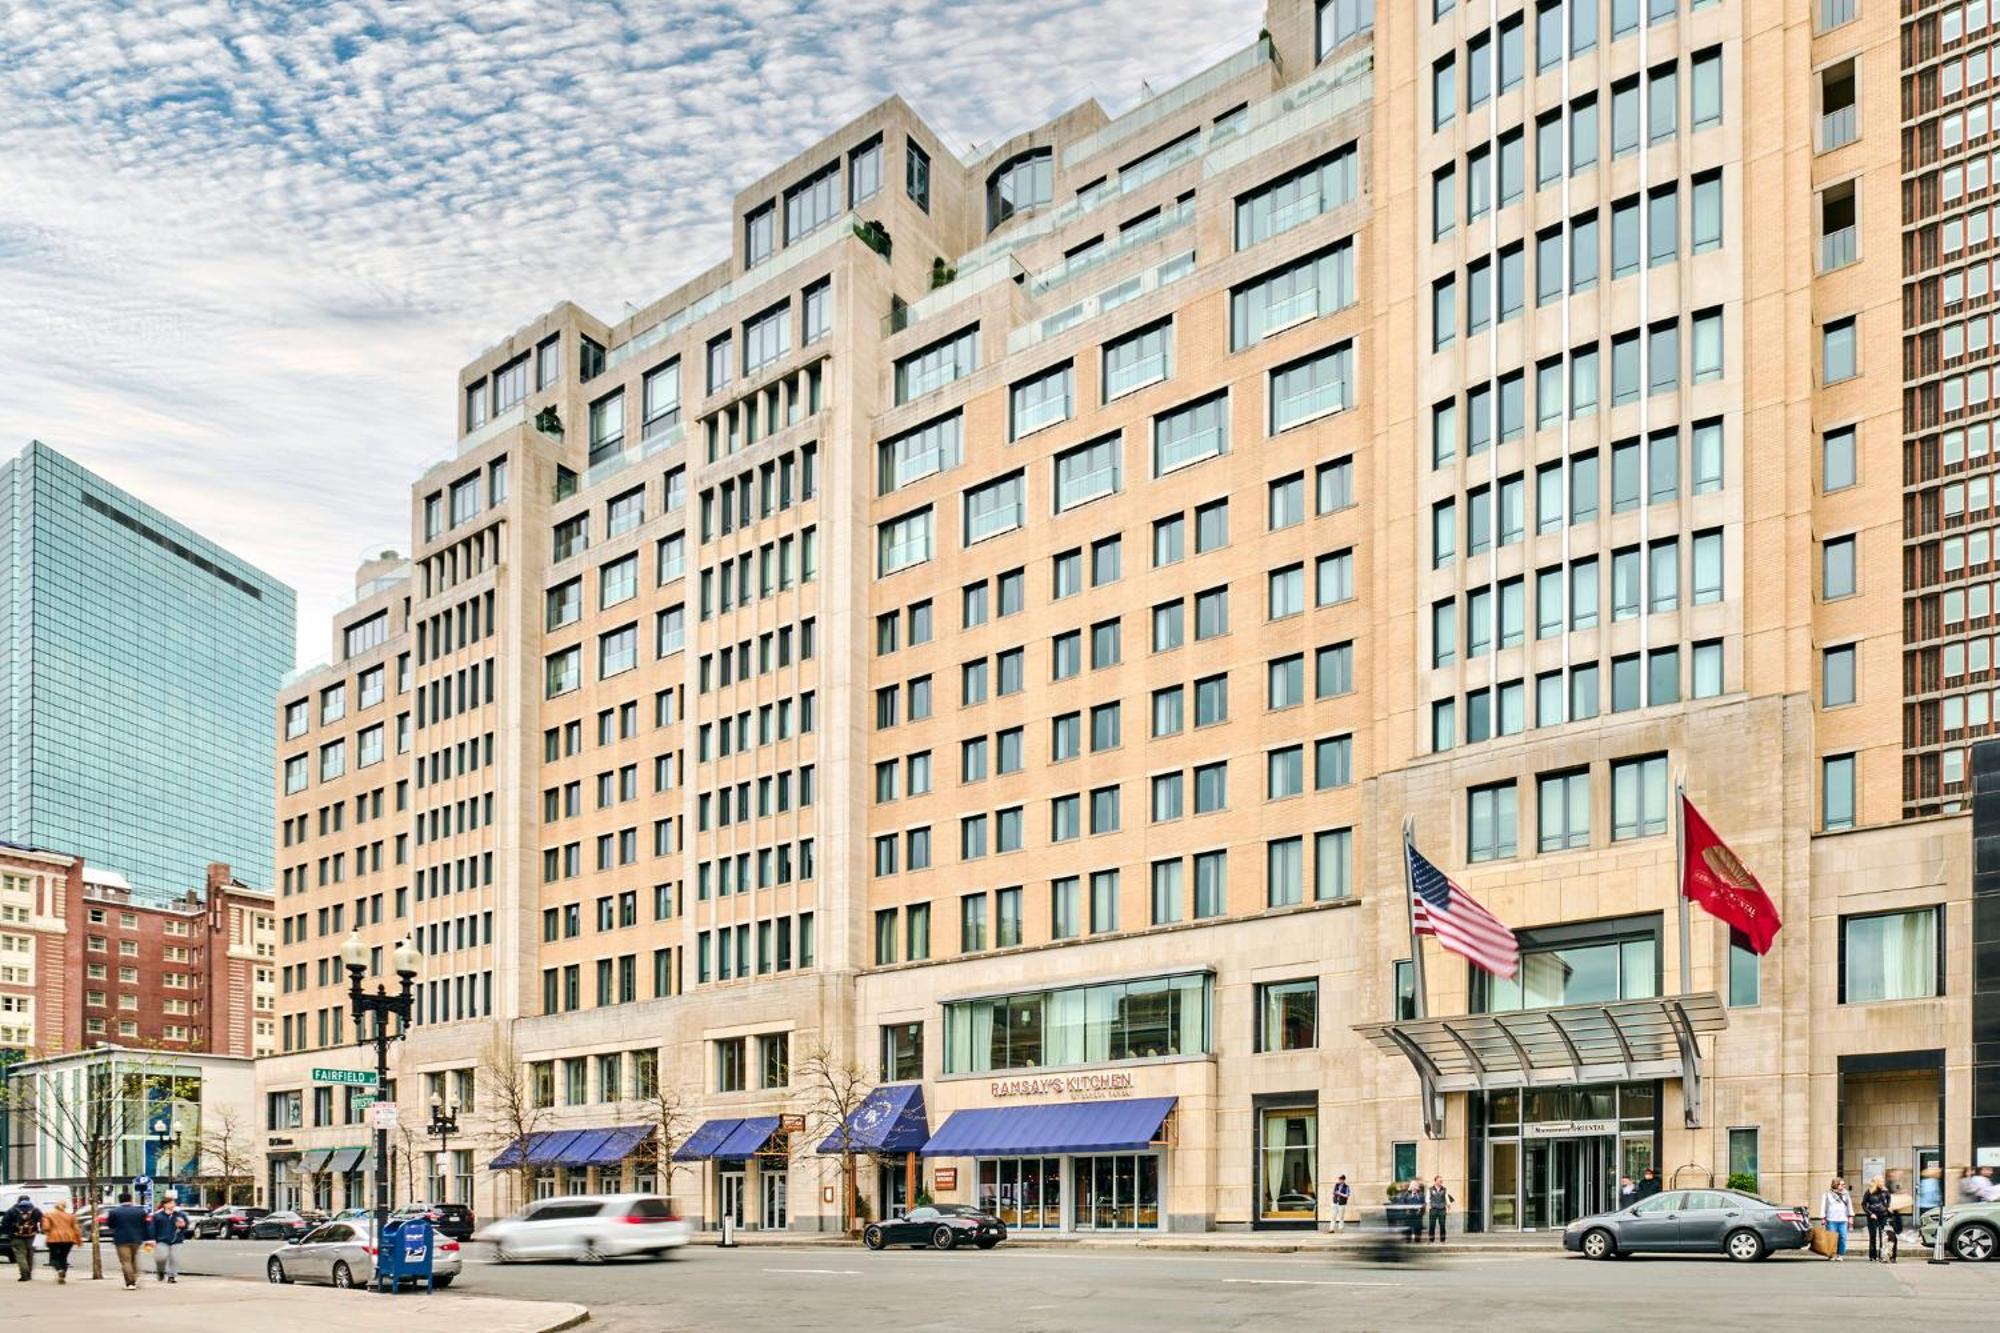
(165, 1139)
(444, 1124)
(384, 1006)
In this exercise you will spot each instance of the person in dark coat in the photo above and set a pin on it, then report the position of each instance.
(20, 1225)
(1649, 1185)
(128, 1227)
(1439, 1200)
(167, 1228)
(1875, 1206)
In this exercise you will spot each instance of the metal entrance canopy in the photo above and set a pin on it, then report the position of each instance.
(1618, 1041)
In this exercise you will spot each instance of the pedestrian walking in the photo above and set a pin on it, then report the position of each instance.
(167, 1228)
(1649, 1185)
(1876, 1207)
(1341, 1194)
(20, 1224)
(1439, 1199)
(127, 1225)
(1836, 1209)
(59, 1226)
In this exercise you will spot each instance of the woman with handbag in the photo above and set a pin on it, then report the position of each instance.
(1836, 1209)
(1876, 1206)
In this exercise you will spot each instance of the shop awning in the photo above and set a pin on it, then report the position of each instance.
(1065, 1127)
(889, 1119)
(611, 1146)
(313, 1161)
(543, 1147)
(343, 1161)
(1619, 1041)
(727, 1140)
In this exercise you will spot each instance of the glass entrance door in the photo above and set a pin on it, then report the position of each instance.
(729, 1191)
(1563, 1179)
(775, 1185)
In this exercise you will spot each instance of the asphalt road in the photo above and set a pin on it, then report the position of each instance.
(799, 1287)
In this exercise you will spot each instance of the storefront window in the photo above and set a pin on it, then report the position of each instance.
(1129, 1020)
(1288, 1166)
(1120, 1192)
(1023, 1192)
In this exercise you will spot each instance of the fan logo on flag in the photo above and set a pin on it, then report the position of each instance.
(1733, 879)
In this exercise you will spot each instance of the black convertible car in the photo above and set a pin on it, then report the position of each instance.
(943, 1227)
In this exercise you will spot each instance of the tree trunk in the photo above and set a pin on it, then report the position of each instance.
(96, 1232)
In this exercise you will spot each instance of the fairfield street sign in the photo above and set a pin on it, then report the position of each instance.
(363, 1077)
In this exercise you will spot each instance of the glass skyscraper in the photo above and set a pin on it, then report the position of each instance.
(141, 662)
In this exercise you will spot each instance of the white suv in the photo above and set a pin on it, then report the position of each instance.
(590, 1227)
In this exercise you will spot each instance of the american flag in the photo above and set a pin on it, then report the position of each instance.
(1439, 907)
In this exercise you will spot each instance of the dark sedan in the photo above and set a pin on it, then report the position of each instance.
(1708, 1221)
(280, 1226)
(944, 1227)
(230, 1223)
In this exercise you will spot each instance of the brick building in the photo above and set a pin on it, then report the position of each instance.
(85, 962)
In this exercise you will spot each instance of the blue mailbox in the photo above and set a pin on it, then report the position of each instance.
(407, 1253)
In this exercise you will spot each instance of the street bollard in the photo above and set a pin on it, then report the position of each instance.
(728, 1241)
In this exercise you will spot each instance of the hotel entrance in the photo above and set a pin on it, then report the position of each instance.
(1552, 1155)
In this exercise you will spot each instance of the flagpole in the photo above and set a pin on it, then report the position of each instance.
(1410, 906)
(1680, 875)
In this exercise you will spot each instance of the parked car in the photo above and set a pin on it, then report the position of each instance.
(942, 1227)
(1971, 1230)
(280, 1226)
(589, 1227)
(1707, 1221)
(449, 1219)
(231, 1222)
(342, 1253)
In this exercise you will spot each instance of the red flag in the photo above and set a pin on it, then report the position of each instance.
(1712, 875)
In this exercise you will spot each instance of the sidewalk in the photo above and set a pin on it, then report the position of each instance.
(205, 1304)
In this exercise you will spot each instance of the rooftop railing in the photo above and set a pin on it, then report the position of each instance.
(1216, 76)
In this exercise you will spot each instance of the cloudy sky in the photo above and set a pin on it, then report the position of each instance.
(245, 246)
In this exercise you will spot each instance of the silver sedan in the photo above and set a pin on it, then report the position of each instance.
(342, 1253)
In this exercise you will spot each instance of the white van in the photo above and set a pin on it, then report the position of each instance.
(43, 1197)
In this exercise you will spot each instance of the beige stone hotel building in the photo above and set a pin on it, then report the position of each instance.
(991, 630)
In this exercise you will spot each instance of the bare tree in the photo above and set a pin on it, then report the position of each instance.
(514, 1108)
(227, 1151)
(832, 1090)
(405, 1144)
(671, 1116)
(85, 1120)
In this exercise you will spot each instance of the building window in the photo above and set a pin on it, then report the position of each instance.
(1745, 973)
(931, 368)
(1837, 795)
(1088, 472)
(766, 338)
(1563, 808)
(1491, 818)
(1043, 400)
(1304, 289)
(1295, 198)
(1638, 797)
(902, 1052)
(812, 203)
(1306, 390)
(1622, 964)
(759, 234)
(864, 172)
(730, 1073)
(1131, 1020)
(905, 541)
(1288, 1015)
(774, 1064)
(1023, 181)
(1838, 352)
(1190, 433)
(1141, 357)
(917, 174)
(1891, 956)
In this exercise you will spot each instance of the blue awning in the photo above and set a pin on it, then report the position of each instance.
(889, 1119)
(707, 1137)
(1065, 1127)
(574, 1148)
(748, 1138)
(613, 1147)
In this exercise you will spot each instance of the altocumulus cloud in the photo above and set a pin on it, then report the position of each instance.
(244, 247)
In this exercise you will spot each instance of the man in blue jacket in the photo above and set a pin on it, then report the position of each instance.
(128, 1228)
(168, 1227)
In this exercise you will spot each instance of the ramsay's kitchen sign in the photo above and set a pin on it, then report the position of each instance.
(1065, 1085)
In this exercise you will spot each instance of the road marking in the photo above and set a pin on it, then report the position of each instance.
(833, 1272)
(1302, 1282)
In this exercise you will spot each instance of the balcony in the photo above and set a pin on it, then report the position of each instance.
(1839, 128)
(1837, 249)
